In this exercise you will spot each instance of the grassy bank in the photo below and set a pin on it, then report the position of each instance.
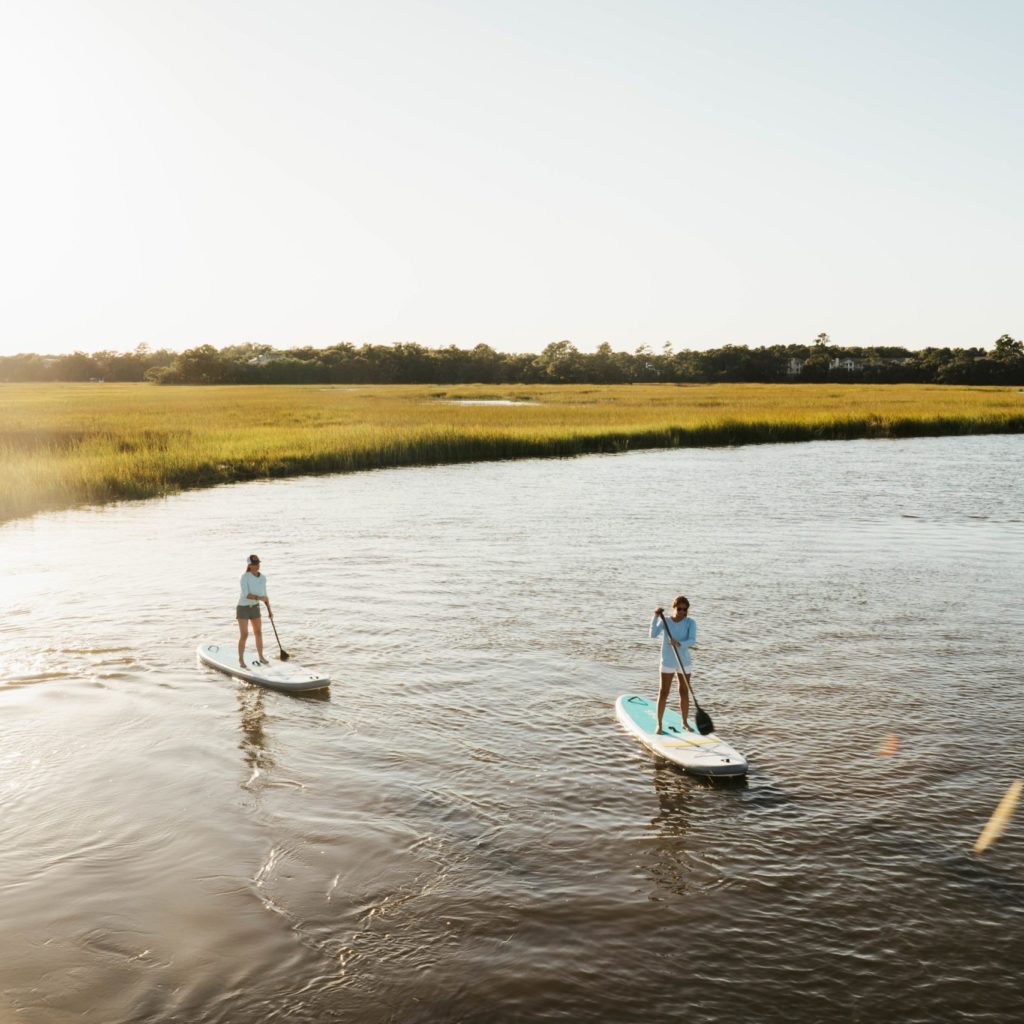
(67, 444)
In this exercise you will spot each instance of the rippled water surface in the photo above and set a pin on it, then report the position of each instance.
(460, 831)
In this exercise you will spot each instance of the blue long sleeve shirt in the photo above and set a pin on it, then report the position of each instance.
(684, 632)
(251, 584)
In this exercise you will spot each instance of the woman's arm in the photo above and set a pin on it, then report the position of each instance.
(657, 626)
(247, 587)
(689, 638)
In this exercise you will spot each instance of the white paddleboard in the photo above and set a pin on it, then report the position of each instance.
(701, 755)
(278, 675)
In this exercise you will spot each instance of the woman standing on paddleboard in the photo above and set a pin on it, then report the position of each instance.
(681, 634)
(253, 591)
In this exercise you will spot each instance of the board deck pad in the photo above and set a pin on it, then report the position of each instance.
(700, 755)
(278, 675)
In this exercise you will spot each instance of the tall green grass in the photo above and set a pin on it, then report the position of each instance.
(67, 444)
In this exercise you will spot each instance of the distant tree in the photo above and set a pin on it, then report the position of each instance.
(76, 366)
(485, 365)
(688, 366)
(201, 365)
(561, 362)
(1008, 357)
(816, 365)
(248, 351)
(523, 368)
(22, 368)
(1008, 348)
(605, 366)
(646, 368)
(966, 366)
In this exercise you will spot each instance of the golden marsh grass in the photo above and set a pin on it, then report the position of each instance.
(67, 444)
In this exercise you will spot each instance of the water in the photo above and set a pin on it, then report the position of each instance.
(521, 403)
(460, 831)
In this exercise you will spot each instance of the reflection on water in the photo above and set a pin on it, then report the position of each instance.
(252, 716)
(253, 743)
(458, 830)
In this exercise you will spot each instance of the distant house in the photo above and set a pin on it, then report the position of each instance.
(263, 359)
(794, 367)
(846, 363)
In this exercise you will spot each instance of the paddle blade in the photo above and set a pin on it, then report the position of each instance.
(1000, 816)
(284, 655)
(704, 723)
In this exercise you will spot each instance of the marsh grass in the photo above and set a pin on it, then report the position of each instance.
(68, 444)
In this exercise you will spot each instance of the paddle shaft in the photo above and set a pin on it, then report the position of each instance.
(285, 655)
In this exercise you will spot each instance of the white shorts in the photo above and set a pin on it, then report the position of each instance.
(669, 669)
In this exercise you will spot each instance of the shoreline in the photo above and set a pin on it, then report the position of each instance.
(64, 446)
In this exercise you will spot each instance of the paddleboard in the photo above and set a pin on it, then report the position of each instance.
(278, 675)
(700, 755)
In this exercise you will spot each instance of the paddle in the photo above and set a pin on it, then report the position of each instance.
(285, 655)
(703, 719)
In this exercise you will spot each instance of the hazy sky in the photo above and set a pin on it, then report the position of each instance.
(510, 171)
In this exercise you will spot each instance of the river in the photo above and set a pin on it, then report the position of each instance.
(460, 830)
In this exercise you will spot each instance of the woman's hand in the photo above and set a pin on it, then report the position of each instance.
(659, 611)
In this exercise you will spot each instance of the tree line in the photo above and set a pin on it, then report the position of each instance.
(560, 363)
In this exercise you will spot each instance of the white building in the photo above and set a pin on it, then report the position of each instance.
(845, 364)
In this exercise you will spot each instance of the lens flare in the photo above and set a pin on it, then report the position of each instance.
(889, 745)
(1000, 816)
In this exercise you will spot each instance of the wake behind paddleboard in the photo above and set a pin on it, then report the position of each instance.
(278, 675)
(700, 755)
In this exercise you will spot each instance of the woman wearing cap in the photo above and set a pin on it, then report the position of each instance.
(681, 635)
(253, 591)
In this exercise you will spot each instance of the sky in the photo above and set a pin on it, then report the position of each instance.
(511, 172)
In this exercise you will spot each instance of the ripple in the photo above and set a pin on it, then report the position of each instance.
(460, 830)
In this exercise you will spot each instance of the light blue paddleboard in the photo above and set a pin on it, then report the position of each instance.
(701, 755)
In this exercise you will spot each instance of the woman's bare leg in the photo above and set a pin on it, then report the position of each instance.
(243, 635)
(664, 688)
(684, 696)
(257, 632)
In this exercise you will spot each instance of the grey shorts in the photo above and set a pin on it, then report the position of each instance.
(247, 611)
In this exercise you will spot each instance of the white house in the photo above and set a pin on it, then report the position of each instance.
(845, 364)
